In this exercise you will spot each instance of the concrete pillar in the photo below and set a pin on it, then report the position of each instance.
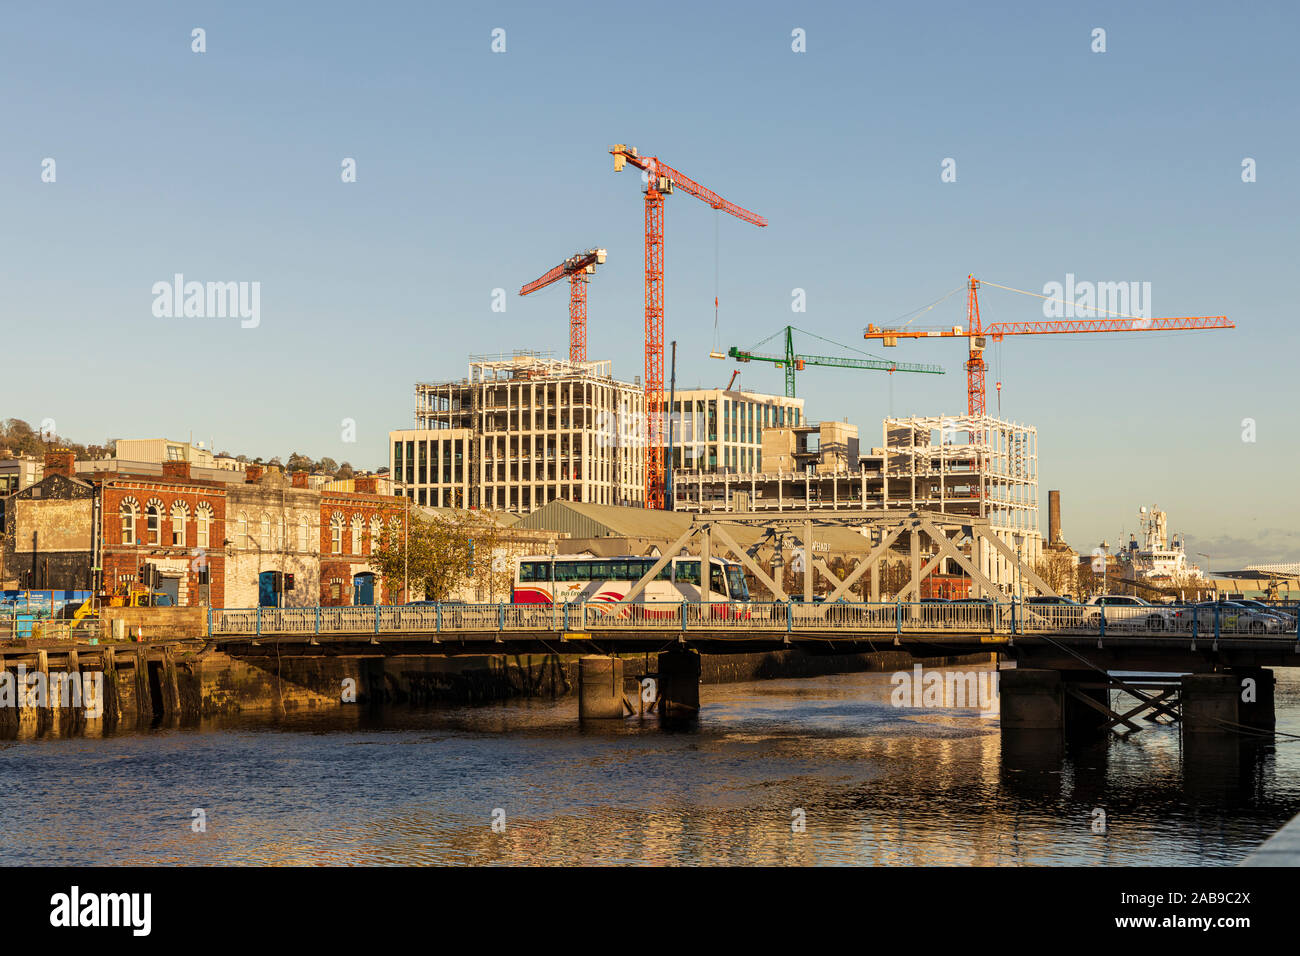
(1226, 703)
(679, 684)
(1031, 699)
(1210, 703)
(600, 688)
(915, 569)
(1255, 702)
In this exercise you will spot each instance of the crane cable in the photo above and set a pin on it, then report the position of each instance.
(1049, 298)
(717, 346)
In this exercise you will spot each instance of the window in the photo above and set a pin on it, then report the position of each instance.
(153, 513)
(336, 534)
(203, 523)
(688, 572)
(534, 570)
(128, 514)
(304, 533)
(356, 534)
(180, 513)
(241, 536)
(264, 539)
(376, 533)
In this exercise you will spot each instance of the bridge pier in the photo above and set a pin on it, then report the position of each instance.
(600, 688)
(679, 684)
(1228, 702)
(1033, 699)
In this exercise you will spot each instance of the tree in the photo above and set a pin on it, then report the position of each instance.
(1058, 571)
(440, 553)
(327, 465)
(344, 471)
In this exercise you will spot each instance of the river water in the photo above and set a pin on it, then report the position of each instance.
(813, 771)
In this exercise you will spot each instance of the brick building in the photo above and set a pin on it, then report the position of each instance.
(351, 524)
(212, 542)
(173, 522)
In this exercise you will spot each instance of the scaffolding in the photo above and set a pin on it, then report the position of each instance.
(530, 429)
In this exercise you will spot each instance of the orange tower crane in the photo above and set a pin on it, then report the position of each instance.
(661, 179)
(976, 334)
(579, 267)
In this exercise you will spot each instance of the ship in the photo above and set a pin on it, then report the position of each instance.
(1159, 559)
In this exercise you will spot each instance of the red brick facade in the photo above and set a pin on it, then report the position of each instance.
(177, 524)
(349, 525)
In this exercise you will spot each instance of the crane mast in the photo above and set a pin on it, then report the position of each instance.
(661, 180)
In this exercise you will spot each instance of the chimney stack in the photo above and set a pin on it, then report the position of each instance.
(1054, 538)
(252, 473)
(59, 462)
(299, 479)
(365, 484)
(176, 469)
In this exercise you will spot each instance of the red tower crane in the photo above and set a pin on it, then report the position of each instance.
(976, 333)
(661, 179)
(579, 267)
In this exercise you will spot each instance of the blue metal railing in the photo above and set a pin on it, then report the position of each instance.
(790, 617)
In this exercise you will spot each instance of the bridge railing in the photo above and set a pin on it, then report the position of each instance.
(755, 617)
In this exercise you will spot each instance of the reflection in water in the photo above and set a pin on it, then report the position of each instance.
(877, 785)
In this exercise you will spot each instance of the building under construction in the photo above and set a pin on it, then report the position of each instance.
(975, 466)
(520, 431)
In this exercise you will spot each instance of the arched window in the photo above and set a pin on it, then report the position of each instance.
(241, 536)
(264, 539)
(336, 534)
(277, 532)
(128, 511)
(376, 533)
(203, 524)
(180, 515)
(304, 534)
(356, 534)
(153, 515)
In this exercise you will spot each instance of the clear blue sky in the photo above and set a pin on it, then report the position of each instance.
(479, 170)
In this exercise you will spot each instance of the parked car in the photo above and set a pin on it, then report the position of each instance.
(1234, 618)
(1123, 610)
(1053, 611)
(1285, 616)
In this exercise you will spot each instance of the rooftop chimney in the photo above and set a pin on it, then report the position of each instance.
(176, 469)
(299, 479)
(59, 462)
(366, 484)
(1054, 519)
(252, 473)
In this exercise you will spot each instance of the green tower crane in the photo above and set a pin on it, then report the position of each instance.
(792, 361)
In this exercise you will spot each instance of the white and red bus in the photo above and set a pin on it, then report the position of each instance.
(560, 579)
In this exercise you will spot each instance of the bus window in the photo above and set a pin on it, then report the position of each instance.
(716, 581)
(665, 573)
(580, 571)
(739, 588)
(688, 572)
(618, 571)
(534, 571)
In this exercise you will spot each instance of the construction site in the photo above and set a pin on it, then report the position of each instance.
(525, 430)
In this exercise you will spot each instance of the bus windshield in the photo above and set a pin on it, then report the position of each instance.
(736, 584)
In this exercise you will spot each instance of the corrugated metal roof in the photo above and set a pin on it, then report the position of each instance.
(582, 520)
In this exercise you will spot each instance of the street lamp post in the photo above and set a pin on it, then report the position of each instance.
(1020, 586)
